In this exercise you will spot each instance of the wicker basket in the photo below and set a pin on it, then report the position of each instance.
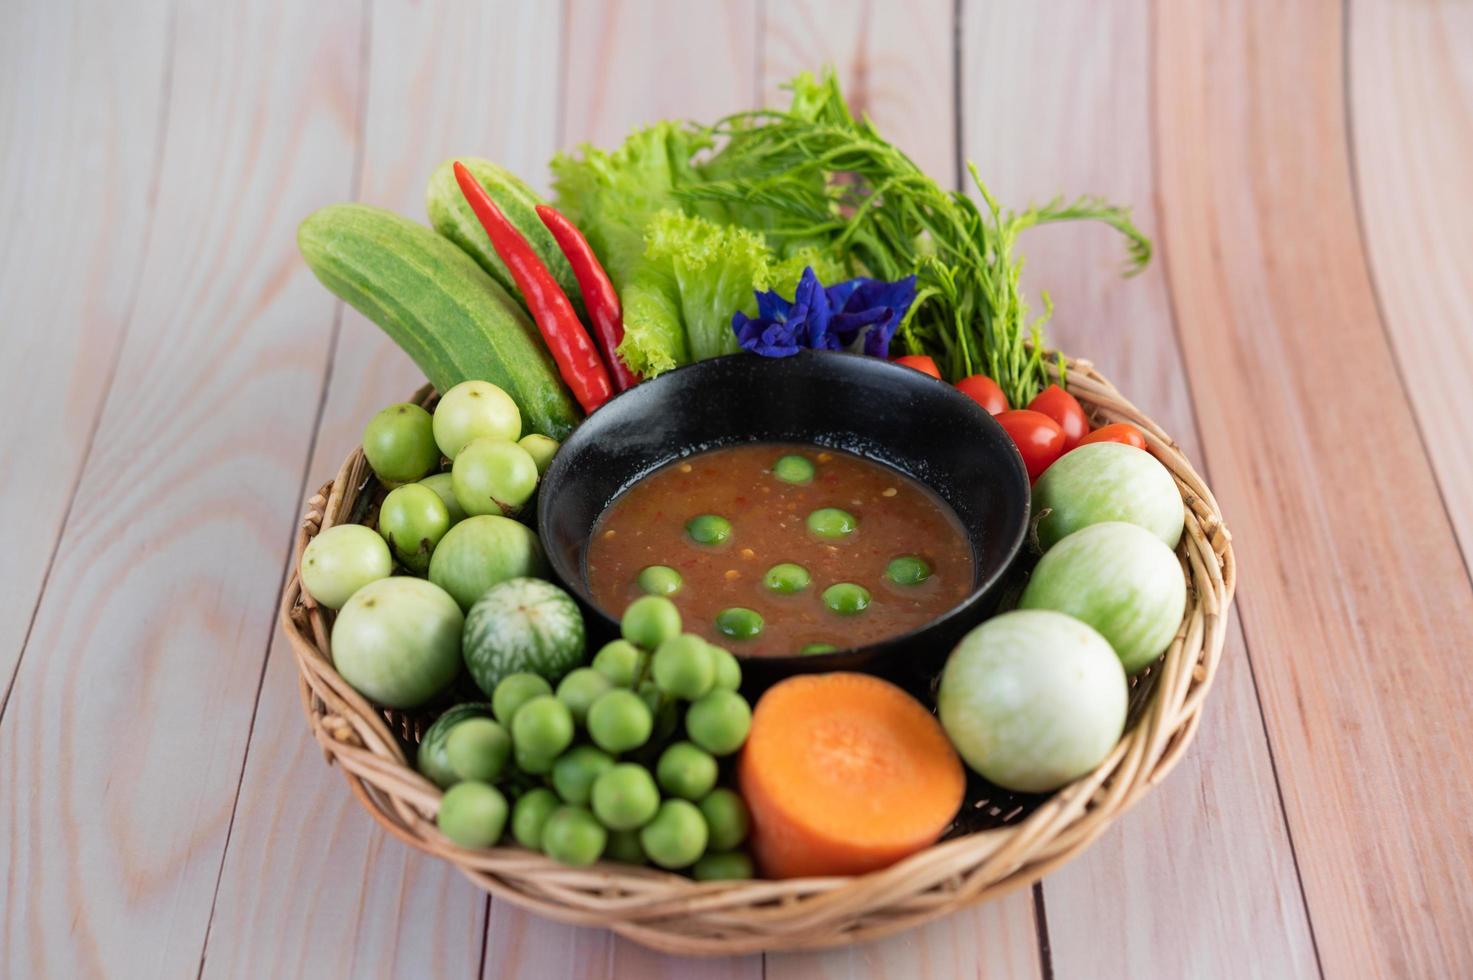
(1007, 843)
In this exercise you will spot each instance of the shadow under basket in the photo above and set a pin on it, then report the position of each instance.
(999, 842)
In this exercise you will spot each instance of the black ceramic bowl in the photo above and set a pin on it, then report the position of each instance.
(865, 405)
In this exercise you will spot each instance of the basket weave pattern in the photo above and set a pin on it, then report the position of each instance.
(675, 914)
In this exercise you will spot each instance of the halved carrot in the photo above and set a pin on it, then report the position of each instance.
(845, 773)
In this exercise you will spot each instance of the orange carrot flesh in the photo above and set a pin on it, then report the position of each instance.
(845, 773)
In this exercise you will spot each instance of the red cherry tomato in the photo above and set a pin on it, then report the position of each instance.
(1116, 432)
(985, 392)
(1062, 407)
(1037, 437)
(921, 363)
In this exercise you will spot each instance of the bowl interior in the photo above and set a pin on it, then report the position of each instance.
(864, 405)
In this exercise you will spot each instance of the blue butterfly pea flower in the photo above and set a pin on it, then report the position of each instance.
(858, 314)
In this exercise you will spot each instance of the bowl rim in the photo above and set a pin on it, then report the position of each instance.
(981, 586)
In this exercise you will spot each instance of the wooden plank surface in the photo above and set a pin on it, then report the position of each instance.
(1202, 868)
(80, 124)
(1355, 592)
(1410, 83)
(629, 63)
(1305, 334)
(129, 726)
(310, 885)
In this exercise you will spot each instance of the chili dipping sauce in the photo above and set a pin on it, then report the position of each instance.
(772, 549)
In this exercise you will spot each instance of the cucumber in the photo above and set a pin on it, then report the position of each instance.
(453, 218)
(431, 759)
(447, 314)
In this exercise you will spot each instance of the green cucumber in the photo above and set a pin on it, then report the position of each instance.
(453, 218)
(447, 314)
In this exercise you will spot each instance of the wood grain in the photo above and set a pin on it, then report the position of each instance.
(80, 98)
(1410, 79)
(633, 62)
(1355, 594)
(1179, 885)
(995, 939)
(1309, 189)
(895, 62)
(127, 730)
(310, 885)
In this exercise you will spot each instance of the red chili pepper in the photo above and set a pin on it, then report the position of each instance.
(577, 359)
(599, 294)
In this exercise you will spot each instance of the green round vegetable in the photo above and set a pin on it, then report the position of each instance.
(683, 666)
(341, 560)
(723, 866)
(493, 476)
(649, 621)
(531, 761)
(572, 836)
(620, 721)
(832, 523)
(575, 771)
(529, 815)
(541, 448)
(580, 689)
(1118, 578)
(846, 598)
(472, 814)
(624, 847)
(719, 722)
(625, 797)
(1033, 699)
(676, 837)
(686, 771)
(479, 552)
(542, 727)
(728, 669)
(412, 520)
(708, 529)
(399, 444)
(514, 691)
(659, 580)
(621, 662)
(793, 469)
(907, 570)
(739, 623)
(1107, 481)
(431, 756)
(786, 578)
(727, 818)
(478, 749)
(442, 484)
(397, 641)
(474, 410)
(522, 625)
(810, 648)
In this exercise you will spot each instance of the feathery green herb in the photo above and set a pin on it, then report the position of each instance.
(816, 175)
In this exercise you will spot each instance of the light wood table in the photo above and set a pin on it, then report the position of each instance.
(173, 383)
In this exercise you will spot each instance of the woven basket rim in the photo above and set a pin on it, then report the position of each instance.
(672, 913)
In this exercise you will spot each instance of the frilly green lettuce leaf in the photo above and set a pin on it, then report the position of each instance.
(654, 331)
(612, 195)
